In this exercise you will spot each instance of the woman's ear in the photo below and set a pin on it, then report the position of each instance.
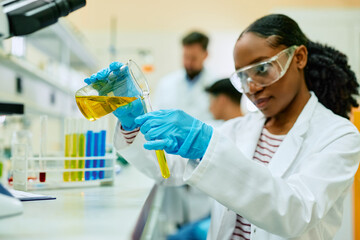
(300, 56)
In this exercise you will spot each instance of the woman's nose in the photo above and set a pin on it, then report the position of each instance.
(254, 88)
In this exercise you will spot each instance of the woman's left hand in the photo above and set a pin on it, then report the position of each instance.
(176, 132)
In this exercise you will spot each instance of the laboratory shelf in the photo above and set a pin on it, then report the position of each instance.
(54, 39)
(30, 106)
(21, 66)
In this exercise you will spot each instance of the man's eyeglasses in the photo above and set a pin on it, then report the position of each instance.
(264, 73)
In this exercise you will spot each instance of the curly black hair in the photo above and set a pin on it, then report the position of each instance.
(327, 72)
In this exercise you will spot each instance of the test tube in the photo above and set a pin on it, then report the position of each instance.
(81, 150)
(89, 152)
(95, 174)
(42, 162)
(1, 159)
(102, 149)
(164, 169)
(66, 175)
(74, 148)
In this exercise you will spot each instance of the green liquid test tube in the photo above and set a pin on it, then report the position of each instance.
(1, 169)
(73, 163)
(81, 162)
(66, 175)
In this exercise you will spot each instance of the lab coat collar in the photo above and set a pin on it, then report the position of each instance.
(289, 148)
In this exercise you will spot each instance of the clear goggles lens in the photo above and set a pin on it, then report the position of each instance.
(264, 73)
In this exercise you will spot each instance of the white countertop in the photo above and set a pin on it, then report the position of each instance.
(103, 212)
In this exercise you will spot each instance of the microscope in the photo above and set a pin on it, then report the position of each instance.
(22, 17)
(18, 18)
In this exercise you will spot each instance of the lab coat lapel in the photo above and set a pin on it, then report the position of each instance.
(250, 137)
(289, 148)
(286, 153)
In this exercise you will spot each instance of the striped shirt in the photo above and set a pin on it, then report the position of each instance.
(267, 145)
(129, 135)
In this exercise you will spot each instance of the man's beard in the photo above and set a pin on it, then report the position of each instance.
(191, 74)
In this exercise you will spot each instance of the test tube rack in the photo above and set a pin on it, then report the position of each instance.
(33, 173)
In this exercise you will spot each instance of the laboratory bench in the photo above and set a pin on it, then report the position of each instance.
(97, 212)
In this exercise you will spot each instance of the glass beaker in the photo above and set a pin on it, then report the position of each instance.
(21, 147)
(105, 96)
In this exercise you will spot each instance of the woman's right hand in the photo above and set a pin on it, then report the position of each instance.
(176, 132)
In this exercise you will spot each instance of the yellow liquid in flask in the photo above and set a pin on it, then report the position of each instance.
(95, 107)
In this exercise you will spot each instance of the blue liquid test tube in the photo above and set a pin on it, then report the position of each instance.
(89, 152)
(94, 174)
(102, 153)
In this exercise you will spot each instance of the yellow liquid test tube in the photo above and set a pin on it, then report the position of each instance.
(165, 173)
(66, 175)
(160, 155)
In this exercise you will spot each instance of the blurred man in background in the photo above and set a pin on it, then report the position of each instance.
(224, 100)
(184, 89)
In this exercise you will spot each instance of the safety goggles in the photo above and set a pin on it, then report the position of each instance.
(264, 73)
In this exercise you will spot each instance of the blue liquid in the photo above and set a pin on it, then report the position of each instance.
(102, 153)
(89, 152)
(95, 174)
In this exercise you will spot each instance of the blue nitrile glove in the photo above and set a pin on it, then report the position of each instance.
(100, 75)
(122, 74)
(176, 132)
(126, 114)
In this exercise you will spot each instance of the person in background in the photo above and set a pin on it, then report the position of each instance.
(184, 88)
(279, 173)
(224, 100)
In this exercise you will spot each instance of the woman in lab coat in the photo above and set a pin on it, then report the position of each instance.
(281, 173)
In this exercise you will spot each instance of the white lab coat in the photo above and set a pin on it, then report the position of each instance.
(299, 195)
(175, 91)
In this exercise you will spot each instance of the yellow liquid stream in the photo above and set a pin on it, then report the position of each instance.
(94, 107)
(162, 163)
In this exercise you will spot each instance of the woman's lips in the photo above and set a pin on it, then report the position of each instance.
(262, 102)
